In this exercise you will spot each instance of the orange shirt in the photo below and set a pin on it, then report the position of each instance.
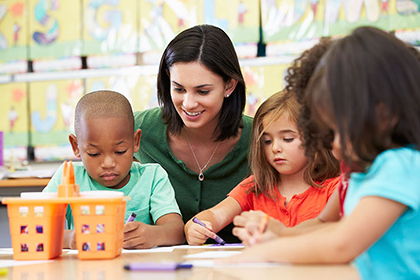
(301, 207)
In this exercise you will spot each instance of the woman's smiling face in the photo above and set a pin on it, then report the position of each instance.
(197, 94)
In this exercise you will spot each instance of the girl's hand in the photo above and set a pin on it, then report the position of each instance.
(197, 234)
(253, 239)
(250, 220)
(138, 235)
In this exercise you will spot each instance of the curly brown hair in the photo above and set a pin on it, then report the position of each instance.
(297, 79)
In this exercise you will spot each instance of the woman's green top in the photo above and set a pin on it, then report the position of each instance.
(192, 195)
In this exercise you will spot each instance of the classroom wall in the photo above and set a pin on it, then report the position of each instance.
(54, 51)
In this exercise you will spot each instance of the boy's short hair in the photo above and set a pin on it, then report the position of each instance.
(103, 104)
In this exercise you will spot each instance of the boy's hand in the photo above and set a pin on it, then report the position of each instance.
(138, 235)
(69, 240)
(197, 234)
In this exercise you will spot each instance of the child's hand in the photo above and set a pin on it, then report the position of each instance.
(253, 239)
(248, 228)
(138, 235)
(250, 220)
(197, 234)
(69, 240)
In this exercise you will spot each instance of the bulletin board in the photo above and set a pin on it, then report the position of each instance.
(161, 20)
(52, 106)
(262, 82)
(13, 30)
(14, 105)
(238, 18)
(141, 90)
(294, 20)
(54, 29)
(110, 26)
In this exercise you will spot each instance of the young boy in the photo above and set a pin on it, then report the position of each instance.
(105, 141)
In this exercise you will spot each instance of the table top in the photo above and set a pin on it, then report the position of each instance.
(27, 182)
(68, 266)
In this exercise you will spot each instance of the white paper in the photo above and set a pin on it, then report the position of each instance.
(210, 246)
(6, 251)
(211, 263)
(212, 255)
(9, 263)
(152, 250)
(125, 251)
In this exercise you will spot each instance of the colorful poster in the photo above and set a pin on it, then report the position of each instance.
(140, 90)
(239, 18)
(404, 14)
(110, 26)
(342, 16)
(13, 29)
(290, 20)
(52, 106)
(14, 119)
(54, 29)
(261, 82)
(160, 21)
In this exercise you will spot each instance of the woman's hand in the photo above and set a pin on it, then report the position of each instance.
(197, 234)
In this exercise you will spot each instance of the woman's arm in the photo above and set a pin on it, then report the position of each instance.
(215, 219)
(337, 242)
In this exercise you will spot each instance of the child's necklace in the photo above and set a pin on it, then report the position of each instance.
(201, 175)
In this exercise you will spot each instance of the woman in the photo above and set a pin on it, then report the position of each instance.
(199, 135)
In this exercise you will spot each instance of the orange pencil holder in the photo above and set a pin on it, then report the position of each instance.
(99, 226)
(37, 225)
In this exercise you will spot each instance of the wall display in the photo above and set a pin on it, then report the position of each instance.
(141, 90)
(261, 82)
(52, 106)
(14, 120)
(110, 26)
(54, 29)
(299, 20)
(13, 39)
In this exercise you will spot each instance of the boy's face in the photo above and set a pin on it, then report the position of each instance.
(106, 147)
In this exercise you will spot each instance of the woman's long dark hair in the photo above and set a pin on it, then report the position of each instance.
(210, 46)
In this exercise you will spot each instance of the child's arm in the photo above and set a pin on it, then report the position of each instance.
(69, 240)
(215, 219)
(338, 242)
(167, 231)
(248, 222)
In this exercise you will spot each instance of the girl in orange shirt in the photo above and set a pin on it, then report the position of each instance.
(285, 184)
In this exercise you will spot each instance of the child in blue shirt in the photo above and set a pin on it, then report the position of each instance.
(366, 90)
(105, 140)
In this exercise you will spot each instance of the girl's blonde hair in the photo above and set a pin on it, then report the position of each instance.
(320, 168)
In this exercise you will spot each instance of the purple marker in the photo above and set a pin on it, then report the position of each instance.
(218, 239)
(153, 266)
(131, 218)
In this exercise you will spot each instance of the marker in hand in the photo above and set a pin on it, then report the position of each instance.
(131, 218)
(218, 239)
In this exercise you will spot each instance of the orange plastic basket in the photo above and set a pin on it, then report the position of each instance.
(36, 227)
(99, 226)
